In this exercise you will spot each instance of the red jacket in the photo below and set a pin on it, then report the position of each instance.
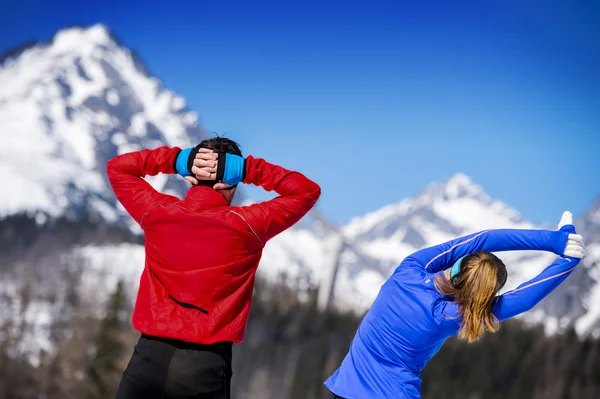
(201, 254)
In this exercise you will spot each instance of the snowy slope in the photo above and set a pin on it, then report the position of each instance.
(66, 108)
(369, 248)
(443, 211)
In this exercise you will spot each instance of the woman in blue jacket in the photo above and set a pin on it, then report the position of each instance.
(438, 292)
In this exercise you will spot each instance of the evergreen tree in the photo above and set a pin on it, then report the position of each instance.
(104, 371)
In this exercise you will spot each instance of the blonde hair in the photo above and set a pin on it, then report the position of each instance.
(474, 288)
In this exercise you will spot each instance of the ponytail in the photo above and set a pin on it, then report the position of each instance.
(474, 289)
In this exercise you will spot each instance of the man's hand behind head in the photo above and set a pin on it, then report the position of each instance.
(204, 166)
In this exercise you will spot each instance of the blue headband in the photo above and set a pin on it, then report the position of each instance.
(455, 269)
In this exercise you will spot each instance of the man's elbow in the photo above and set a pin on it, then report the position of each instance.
(312, 193)
(315, 191)
(115, 168)
(111, 168)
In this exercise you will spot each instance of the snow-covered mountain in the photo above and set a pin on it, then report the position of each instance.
(370, 247)
(66, 108)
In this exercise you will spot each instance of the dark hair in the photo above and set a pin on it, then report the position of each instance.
(221, 144)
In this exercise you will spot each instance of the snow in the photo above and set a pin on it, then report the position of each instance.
(390, 248)
(56, 115)
(138, 125)
(364, 223)
(80, 38)
(460, 183)
(29, 320)
(596, 217)
(294, 254)
(586, 323)
(106, 265)
(106, 210)
(178, 103)
(112, 97)
(469, 213)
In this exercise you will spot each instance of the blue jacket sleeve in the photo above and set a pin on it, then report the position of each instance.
(530, 293)
(443, 256)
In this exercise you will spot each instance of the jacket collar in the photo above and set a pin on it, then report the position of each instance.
(201, 197)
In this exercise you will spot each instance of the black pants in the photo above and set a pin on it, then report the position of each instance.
(168, 369)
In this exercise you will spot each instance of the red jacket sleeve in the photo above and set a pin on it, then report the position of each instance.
(297, 195)
(125, 174)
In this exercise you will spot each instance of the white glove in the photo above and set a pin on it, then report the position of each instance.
(574, 247)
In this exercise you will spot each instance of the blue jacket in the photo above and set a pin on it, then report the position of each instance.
(409, 320)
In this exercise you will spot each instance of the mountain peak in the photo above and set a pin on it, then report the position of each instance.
(81, 100)
(458, 186)
(98, 34)
(461, 185)
(452, 208)
(75, 39)
(82, 38)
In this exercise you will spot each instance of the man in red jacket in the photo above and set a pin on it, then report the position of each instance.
(201, 258)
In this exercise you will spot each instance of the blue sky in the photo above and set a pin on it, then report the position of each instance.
(376, 99)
